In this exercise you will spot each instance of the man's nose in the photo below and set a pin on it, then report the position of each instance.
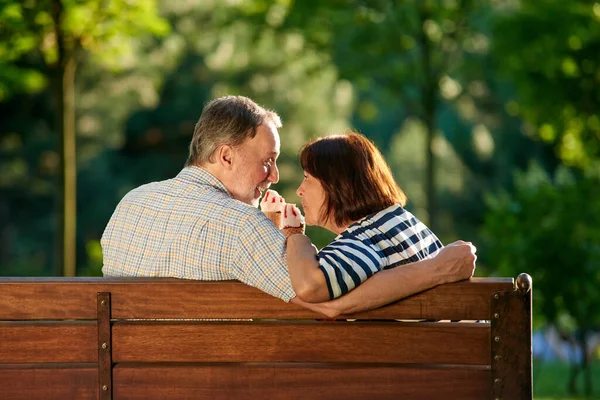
(300, 191)
(273, 174)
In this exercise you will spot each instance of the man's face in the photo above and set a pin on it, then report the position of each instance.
(254, 167)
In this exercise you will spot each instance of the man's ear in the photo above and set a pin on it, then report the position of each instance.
(225, 156)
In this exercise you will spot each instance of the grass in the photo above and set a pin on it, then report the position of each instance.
(550, 381)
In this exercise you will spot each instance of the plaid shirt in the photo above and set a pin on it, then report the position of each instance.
(387, 239)
(190, 227)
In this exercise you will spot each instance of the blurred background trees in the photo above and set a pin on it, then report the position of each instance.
(550, 226)
(43, 42)
(487, 111)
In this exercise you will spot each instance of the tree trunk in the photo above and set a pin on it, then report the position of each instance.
(430, 187)
(572, 384)
(64, 83)
(582, 366)
(585, 366)
(428, 90)
(69, 173)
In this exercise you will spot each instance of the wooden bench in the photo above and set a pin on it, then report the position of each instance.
(148, 338)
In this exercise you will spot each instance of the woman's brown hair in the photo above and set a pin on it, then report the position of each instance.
(355, 177)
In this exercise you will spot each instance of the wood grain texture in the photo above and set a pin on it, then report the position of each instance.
(69, 298)
(301, 382)
(48, 382)
(48, 342)
(104, 347)
(512, 373)
(357, 342)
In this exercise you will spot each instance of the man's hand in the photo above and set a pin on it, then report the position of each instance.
(456, 261)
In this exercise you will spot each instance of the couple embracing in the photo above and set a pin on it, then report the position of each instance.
(205, 224)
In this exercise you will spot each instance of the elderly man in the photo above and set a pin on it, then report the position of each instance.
(204, 223)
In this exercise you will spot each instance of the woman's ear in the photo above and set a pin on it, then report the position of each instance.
(225, 156)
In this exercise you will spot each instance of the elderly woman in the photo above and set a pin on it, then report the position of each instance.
(349, 189)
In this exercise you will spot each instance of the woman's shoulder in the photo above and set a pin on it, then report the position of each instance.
(394, 212)
(390, 220)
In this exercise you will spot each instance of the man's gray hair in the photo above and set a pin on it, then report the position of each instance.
(226, 120)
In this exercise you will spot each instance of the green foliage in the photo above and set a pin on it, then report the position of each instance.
(391, 51)
(20, 80)
(222, 54)
(106, 29)
(550, 227)
(550, 51)
(405, 60)
(325, 66)
(40, 45)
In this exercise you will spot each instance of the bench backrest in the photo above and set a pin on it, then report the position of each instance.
(107, 338)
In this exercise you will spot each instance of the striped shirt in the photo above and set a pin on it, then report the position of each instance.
(387, 239)
(190, 227)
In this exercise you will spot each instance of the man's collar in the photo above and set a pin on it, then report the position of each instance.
(199, 175)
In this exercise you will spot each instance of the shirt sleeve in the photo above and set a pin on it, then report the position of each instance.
(346, 263)
(260, 258)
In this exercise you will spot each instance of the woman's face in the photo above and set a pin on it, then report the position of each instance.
(313, 198)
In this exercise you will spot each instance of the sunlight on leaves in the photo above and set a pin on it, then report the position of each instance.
(449, 88)
(547, 132)
(483, 141)
(569, 67)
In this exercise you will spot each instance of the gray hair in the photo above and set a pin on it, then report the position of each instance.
(226, 120)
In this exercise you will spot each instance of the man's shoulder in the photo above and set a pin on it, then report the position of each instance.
(145, 190)
(204, 201)
(244, 213)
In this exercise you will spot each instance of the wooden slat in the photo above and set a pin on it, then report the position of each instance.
(48, 342)
(301, 382)
(48, 382)
(358, 342)
(59, 298)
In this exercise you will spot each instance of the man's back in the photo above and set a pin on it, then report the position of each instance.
(190, 227)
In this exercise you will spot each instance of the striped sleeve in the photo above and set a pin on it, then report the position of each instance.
(346, 263)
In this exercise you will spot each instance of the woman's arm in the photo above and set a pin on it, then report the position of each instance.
(307, 279)
(455, 262)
